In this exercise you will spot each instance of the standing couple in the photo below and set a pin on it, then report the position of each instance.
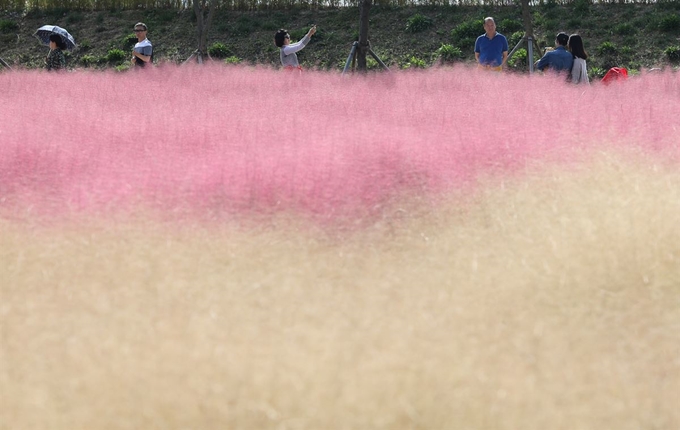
(568, 56)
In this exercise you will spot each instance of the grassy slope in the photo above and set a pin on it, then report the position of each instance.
(635, 31)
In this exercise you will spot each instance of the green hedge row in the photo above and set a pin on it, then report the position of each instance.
(43, 5)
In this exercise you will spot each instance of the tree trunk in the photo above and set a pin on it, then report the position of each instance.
(526, 17)
(203, 24)
(528, 25)
(362, 49)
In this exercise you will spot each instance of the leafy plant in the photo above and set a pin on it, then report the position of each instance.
(88, 60)
(515, 38)
(625, 29)
(269, 25)
(596, 72)
(418, 23)
(219, 50)
(552, 25)
(85, 45)
(673, 53)
(449, 53)
(607, 49)
(627, 53)
(415, 62)
(74, 17)
(510, 25)
(164, 16)
(115, 55)
(581, 7)
(245, 24)
(574, 22)
(129, 41)
(232, 60)
(519, 59)
(7, 26)
(670, 23)
(468, 29)
(299, 33)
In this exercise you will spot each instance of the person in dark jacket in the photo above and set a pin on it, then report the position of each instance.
(55, 59)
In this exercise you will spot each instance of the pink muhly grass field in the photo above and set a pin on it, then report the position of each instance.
(234, 139)
(515, 265)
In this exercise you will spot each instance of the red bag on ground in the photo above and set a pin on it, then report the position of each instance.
(615, 74)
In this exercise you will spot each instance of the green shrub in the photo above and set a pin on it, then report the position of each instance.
(232, 60)
(449, 53)
(88, 60)
(245, 24)
(115, 55)
(629, 41)
(581, 7)
(625, 29)
(85, 45)
(219, 50)
(515, 38)
(468, 29)
(607, 49)
(129, 41)
(415, 63)
(552, 26)
(519, 59)
(510, 26)
(596, 72)
(299, 33)
(574, 22)
(418, 23)
(164, 16)
(269, 25)
(670, 23)
(626, 53)
(74, 17)
(673, 53)
(7, 26)
(668, 5)
(371, 64)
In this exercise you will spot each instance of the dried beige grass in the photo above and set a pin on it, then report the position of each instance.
(551, 301)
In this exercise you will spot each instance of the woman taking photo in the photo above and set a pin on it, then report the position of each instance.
(289, 59)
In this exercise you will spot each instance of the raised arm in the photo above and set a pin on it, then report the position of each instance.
(295, 47)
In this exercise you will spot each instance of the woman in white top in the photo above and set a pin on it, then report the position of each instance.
(579, 71)
(289, 59)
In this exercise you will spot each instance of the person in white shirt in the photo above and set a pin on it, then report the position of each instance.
(289, 58)
(142, 53)
(579, 71)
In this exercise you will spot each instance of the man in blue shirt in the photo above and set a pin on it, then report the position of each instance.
(559, 59)
(491, 48)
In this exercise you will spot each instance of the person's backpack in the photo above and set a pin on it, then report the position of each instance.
(615, 74)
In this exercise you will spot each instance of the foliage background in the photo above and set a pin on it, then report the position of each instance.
(632, 35)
